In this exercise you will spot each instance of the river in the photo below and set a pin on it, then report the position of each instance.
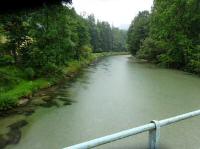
(115, 94)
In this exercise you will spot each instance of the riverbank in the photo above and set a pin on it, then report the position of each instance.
(22, 89)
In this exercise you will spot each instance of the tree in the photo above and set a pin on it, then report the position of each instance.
(104, 37)
(138, 31)
(93, 31)
(47, 38)
(174, 35)
(16, 30)
(176, 23)
(118, 39)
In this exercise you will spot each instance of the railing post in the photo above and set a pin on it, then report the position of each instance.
(154, 136)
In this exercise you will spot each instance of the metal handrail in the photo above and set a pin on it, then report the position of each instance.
(153, 127)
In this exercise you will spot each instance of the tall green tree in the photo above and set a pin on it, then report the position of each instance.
(16, 32)
(104, 37)
(176, 23)
(138, 31)
(174, 35)
(119, 39)
(94, 34)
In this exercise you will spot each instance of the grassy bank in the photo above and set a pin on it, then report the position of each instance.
(15, 85)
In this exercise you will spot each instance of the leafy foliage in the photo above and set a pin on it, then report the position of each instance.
(47, 38)
(138, 31)
(174, 35)
(104, 37)
(6, 60)
(41, 43)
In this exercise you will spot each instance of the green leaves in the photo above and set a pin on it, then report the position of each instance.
(174, 35)
(104, 37)
(138, 31)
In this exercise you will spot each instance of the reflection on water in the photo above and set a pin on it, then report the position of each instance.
(116, 94)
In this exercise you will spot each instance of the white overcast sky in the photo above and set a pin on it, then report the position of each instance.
(120, 13)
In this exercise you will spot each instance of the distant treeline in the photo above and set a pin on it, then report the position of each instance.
(44, 39)
(169, 35)
(105, 37)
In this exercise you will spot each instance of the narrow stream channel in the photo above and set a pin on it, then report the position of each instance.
(115, 94)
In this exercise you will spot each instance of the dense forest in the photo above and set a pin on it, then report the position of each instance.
(169, 35)
(37, 46)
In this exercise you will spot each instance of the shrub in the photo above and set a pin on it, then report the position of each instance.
(86, 51)
(151, 49)
(165, 60)
(9, 77)
(6, 60)
(30, 73)
(7, 82)
(194, 66)
(50, 69)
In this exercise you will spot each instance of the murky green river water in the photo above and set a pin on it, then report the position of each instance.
(114, 95)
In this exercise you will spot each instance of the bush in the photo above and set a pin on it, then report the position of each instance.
(6, 60)
(9, 77)
(7, 102)
(30, 73)
(151, 49)
(50, 69)
(165, 60)
(194, 66)
(86, 51)
(7, 82)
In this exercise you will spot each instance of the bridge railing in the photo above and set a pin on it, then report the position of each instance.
(153, 127)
